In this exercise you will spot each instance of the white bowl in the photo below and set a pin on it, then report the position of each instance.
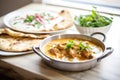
(90, 30)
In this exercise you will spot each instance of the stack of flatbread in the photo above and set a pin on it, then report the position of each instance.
(15, 41)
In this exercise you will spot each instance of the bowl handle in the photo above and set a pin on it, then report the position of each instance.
(109, 50)
(99, 33)
(38, 52)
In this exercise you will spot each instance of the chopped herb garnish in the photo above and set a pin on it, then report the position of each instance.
(50, 16)
(17, 16)
(15, 23)
(37, 24)
(48, 21)
(70, 44)
(29, 18)
(44, 14)
(83, 46)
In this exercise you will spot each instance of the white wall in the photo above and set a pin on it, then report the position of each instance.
(37, 1)
(7, 6)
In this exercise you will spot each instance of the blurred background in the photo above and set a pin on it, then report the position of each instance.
(103, 5)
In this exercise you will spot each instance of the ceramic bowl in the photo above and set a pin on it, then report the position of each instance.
(90, 30)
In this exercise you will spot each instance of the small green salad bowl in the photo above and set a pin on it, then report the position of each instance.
(94, 22)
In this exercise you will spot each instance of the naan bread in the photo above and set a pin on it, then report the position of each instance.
(16, 41)
(8, 43)
(66, 22)
(20, 34)
(2, 30)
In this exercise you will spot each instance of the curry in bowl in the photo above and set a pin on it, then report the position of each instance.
(72, 50)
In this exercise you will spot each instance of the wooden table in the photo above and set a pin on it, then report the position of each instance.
(31, 67)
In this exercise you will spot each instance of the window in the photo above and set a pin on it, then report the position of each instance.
(104, 6)
(105, 3)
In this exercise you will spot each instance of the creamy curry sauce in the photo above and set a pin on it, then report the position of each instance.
(72, 50)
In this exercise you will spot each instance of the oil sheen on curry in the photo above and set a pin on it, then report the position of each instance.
(72, 50)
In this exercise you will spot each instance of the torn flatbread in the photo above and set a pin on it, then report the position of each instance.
(8, 43)
(17, 41)
(20, 34)
(66, 22)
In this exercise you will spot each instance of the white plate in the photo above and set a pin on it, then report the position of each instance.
(11, 15)
(5, 53)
